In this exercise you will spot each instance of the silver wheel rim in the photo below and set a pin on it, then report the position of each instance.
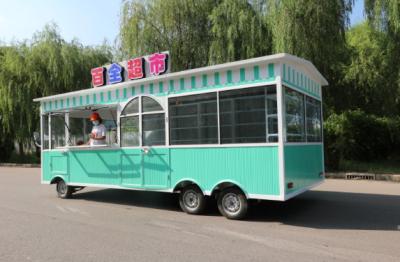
(62, 188)
(191, 199)
(231, 203)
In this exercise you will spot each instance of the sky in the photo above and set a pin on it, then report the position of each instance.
(90, 21)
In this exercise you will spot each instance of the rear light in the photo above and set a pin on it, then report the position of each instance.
(290, 185)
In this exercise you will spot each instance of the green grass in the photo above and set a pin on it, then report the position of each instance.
(390, 166)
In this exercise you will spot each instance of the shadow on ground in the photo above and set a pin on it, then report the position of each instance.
(314, 209)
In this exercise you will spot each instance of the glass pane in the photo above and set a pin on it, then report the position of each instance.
(193, 119)
(313, 120)
(45, 122)
(295, 126)
(80, 130)
(272, 119)
(150, 105)
(153, 129)
(57, 131)
(242, 115)
(132, 107)
(130, 131)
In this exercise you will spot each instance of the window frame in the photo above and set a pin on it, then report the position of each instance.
(196, 103)
(304, 100)
(219, 144)
(140, 114)
(164, 103)
(65, 116)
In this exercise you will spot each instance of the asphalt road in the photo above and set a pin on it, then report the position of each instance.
(339, 220)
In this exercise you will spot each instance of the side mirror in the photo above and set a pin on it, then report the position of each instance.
(36, 139)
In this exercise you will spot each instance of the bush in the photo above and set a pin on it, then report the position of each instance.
(354, 135)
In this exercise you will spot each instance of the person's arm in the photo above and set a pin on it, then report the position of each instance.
(99, 138)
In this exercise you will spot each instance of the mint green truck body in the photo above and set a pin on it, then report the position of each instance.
(279, 168)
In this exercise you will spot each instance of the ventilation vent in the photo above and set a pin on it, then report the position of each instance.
(360, 176)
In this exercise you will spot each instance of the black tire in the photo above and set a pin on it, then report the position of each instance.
(232, 203)
(63, 190)
(192, 200)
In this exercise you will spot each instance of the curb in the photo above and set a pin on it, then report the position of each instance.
(364, 176)
(18, 165)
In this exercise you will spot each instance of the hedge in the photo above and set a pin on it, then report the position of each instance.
(355, 135)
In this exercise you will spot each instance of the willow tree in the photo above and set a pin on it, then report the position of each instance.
(238, 31)
(384, 17)
(45, 65)
(314, 30)
(178, 26)
(369, 74)
(384, 14)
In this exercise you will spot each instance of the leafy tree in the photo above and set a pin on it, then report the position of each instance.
(369, 76)
(314, 30)
(178, 26)
(44, 66)
(384, 14)
(238, 31)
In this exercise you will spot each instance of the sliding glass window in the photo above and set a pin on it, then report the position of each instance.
(193, 119)
(248, 115)
(303, 117)
(313, 120)
(294, 105)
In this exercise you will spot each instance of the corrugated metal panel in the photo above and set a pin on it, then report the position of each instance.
(255, 169)
(303, 164)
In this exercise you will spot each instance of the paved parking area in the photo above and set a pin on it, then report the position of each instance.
(340, 220)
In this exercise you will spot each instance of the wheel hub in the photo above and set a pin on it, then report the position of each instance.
(191, 199)
(231, 203)
(62, 187)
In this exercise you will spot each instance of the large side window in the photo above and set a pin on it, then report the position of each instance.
(153, 123)
(313, 120)
(248, 115)
(294, 105)
(193, 119)
(129, 122)
(57, 130)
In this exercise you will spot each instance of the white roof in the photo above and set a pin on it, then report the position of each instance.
(276, 58)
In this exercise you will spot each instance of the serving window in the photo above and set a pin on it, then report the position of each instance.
(79, 125)
(72, 128)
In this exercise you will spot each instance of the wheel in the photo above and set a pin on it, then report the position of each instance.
(232, 203)
(192, 200)
(63, 190)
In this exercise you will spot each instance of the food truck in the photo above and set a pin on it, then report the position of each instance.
(249, 129)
